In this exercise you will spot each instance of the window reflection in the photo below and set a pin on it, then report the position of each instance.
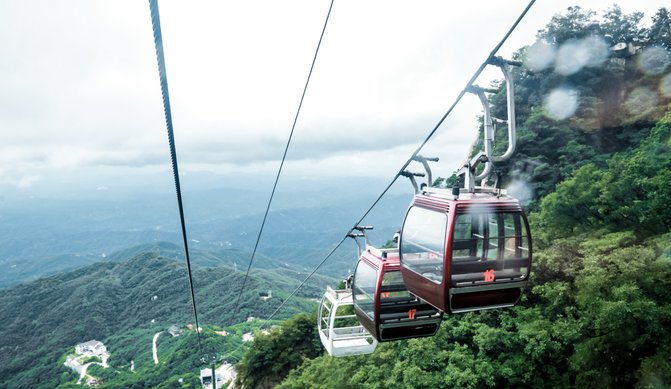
(365, 281)
(489, 247)
(423, 242)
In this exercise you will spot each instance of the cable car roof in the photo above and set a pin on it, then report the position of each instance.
(384, 259)
(482, 199)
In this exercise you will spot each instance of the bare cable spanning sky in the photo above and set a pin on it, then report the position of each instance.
(79, 87)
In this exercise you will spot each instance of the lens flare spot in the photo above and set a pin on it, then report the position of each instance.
(654, 60)
(521, 190)
(641, 100)
(561, 103)
(665, 85)
(571, 57)
(540, 56)
(574, 55)
(597, 49)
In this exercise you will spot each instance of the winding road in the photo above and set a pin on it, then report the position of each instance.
(154, 349)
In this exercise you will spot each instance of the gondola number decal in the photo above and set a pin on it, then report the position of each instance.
(489, 275)
(412, 313)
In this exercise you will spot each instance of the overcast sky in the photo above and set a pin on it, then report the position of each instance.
(79, 89)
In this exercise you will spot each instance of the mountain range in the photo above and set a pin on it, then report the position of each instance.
(147, 292)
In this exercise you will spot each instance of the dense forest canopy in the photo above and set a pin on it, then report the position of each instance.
(580, 101)
(594, 155)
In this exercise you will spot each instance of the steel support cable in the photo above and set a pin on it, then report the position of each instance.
(158, 44)
(461, 94)
(297, 288)
(284, 156)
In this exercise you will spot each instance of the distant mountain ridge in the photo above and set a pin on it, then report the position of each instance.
(42, 236)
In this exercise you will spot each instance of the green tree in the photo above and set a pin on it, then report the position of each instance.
(660, 31)
(272, 356)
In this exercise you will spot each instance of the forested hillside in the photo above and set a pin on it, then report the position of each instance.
(130, 300)
(597, 312)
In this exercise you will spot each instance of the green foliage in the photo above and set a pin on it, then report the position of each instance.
(632, 193)
(617, 102)
(597, 315)
(114, 302)
(597, 312)
(623, 296)
(272, 356)
(660, 31)
(95, 370)
(90, 359)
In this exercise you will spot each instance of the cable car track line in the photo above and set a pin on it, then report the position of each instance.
(307, 278)
(284, 156)
(461, 94)
(158, 44)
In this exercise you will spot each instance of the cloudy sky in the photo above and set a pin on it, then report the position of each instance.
(79, 90)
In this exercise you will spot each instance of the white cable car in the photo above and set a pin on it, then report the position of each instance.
(339, 330)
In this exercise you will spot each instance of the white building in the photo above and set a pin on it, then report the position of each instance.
(91, 348)
(175, 331)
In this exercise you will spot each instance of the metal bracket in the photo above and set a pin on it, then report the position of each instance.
(360, 234)
(412, 176)
(486, 155)
(425, 162)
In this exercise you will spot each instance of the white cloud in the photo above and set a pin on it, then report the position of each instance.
(79, 86)
(27, 181)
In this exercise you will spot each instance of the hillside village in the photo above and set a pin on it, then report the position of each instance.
(86, 354)
(95, 352)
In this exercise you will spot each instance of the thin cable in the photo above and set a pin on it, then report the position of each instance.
(405, 165)
(158, 43)
(284, 156)
(296, 289)
(308, 277)
(459, 97)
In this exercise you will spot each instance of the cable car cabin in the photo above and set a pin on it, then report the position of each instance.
(465, 254)
(340, 332)
(382, 302)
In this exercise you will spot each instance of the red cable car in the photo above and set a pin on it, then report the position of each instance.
(468, 250)
(382, 303)
(464, 252)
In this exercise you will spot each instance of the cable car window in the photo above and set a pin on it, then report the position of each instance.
(365, 282)
(463, 230)
(345, 317)
(512, 244)
(497, 249)
(493, 234)
(392, 288)
(423, 242)
(324, 312)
